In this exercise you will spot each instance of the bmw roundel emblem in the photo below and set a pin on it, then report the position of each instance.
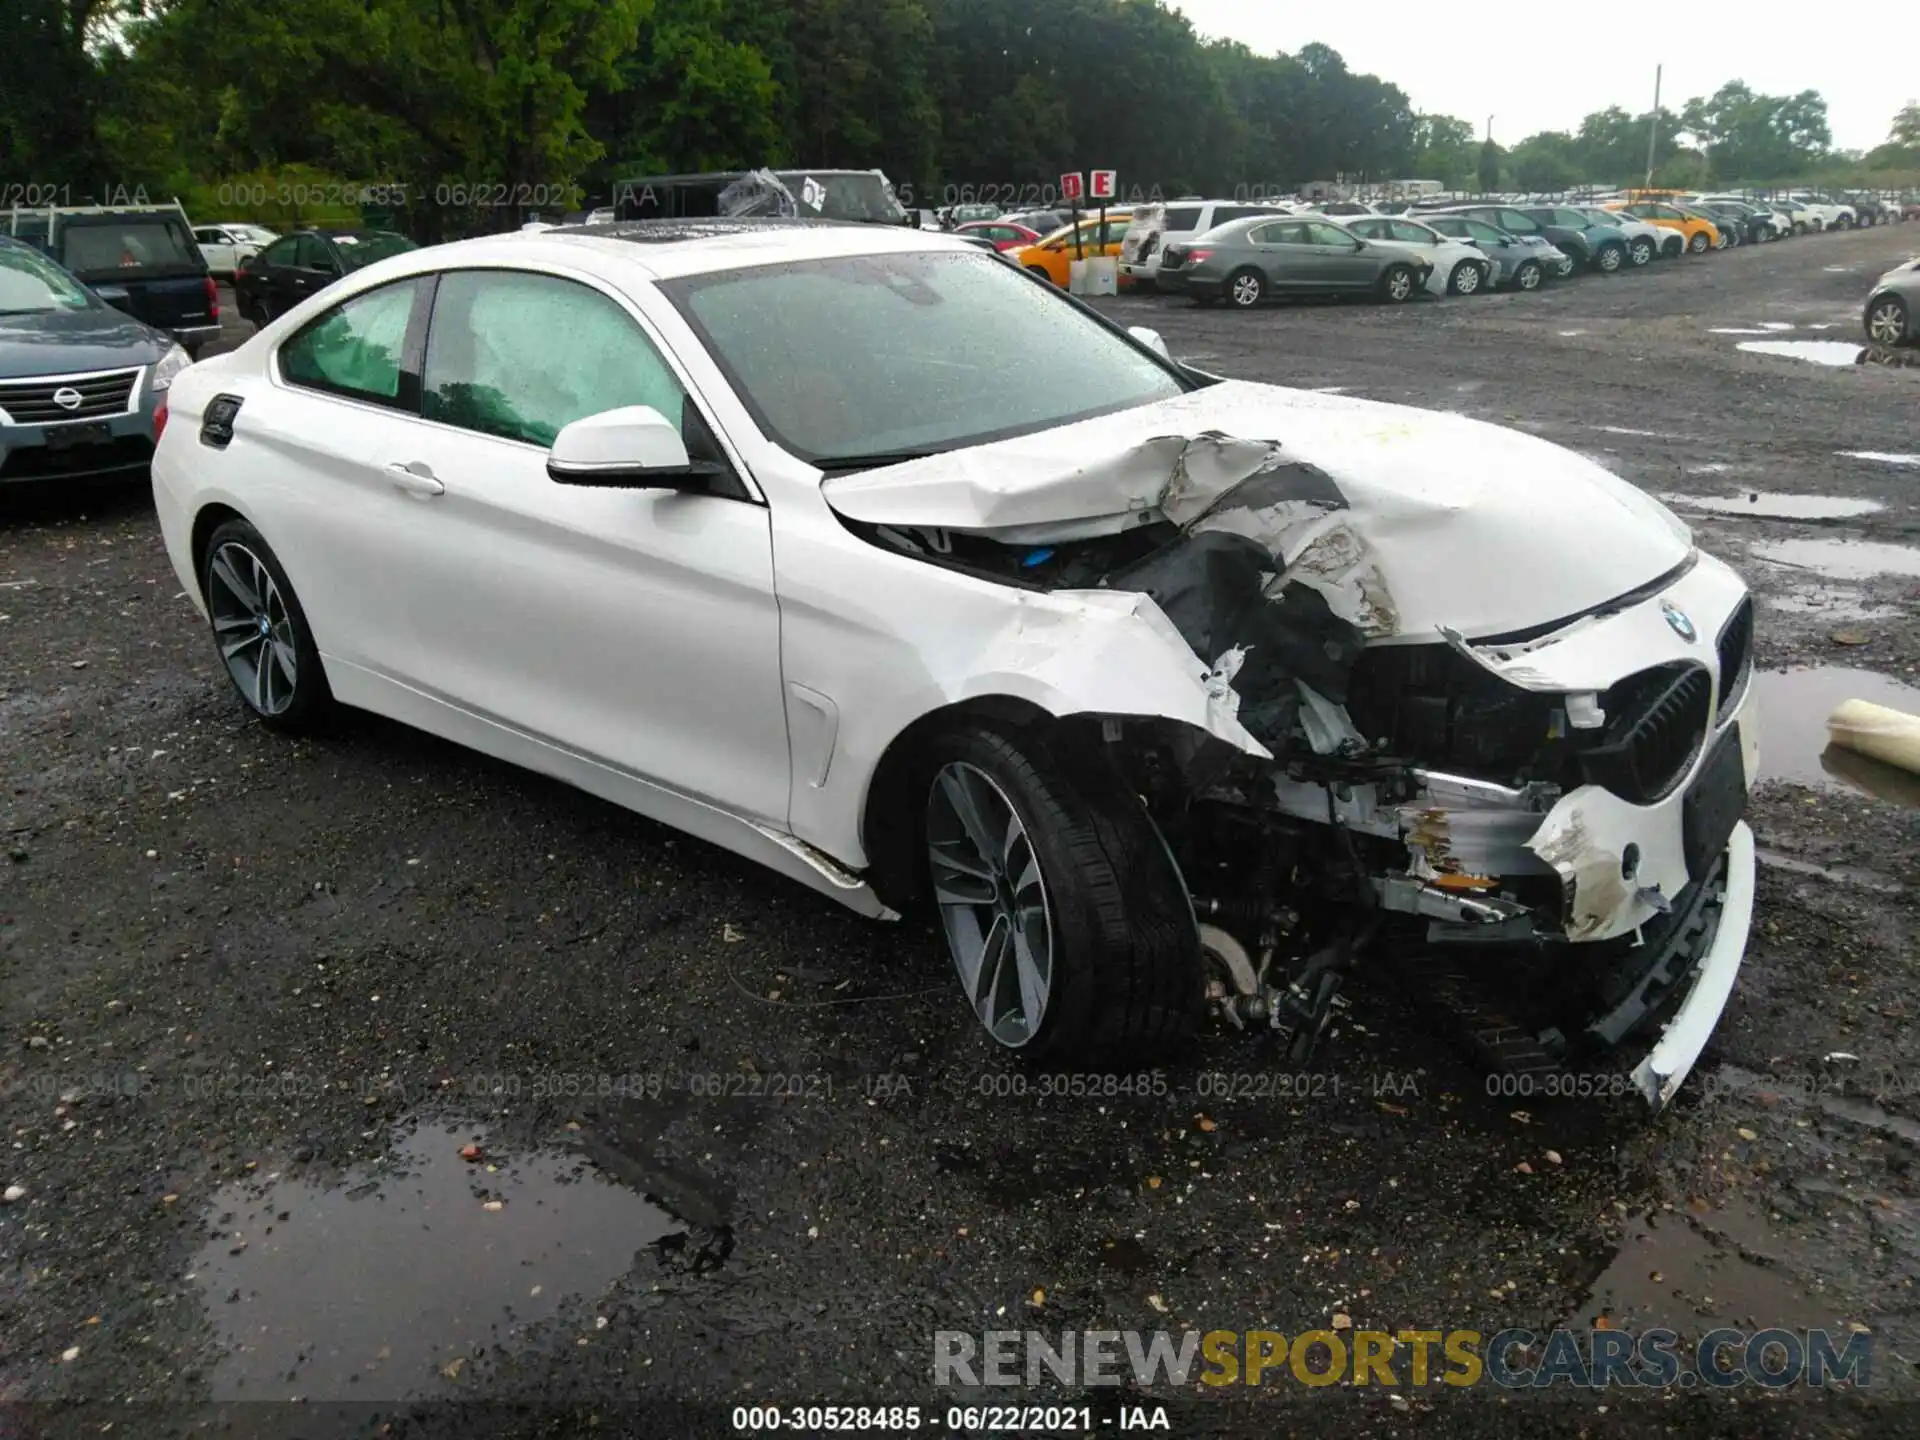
(1677, 621)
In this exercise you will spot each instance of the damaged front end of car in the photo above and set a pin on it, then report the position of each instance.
(1538, 826)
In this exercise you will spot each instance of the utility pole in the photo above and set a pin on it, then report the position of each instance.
(1489, 129)
(1653, 125)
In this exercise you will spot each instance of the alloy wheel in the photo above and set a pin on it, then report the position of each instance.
(993, 902)
(1466, 279)
(1399, 285)
(1246, 289)
(1887, 322)
(1642, 251)
(1529, 276)
(253, 628)
(1609, 259)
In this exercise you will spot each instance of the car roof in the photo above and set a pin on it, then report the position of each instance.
(670, 249)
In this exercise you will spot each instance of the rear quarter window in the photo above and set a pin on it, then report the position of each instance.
(126, 245)
(1186, 218)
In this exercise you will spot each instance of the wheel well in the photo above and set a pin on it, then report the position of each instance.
(210, 518)
(888, 832)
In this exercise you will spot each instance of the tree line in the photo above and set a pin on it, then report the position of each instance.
(471, 105)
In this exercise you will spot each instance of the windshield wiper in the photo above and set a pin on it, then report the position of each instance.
(833, 463)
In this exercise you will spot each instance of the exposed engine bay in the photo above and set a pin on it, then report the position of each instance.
(1456, 809)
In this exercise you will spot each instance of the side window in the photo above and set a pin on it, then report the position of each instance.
(1484, 233)
(310, 253)
(1406, 230)
(1518, 223)
(523, 356)
(207, 237)
(1267, 235)
(280, 252)
(1115, 232)
(1184, 218)
(1321, 233)
(355, 348)
(1223, 213)
(1371, 229)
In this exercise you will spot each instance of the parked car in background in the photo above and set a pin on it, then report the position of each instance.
(1263, 257)
(1869, 209)
(1053, 257)
(1685, 234)
(1828, 213)
(1643, 240)
(223, 247)
(1893, 308)
(1158, 226)
(1041, 222)
(1004, 234)
(1459, 266)
(1516, 264)
(1591, 244)
(1516, 222)
(1753, 223)
(1343, 209)
(138, 258)
(304, 263)
(79, 380)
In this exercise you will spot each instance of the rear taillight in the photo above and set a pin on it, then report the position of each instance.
(159, 419)
(213, 298)
(1194, 257)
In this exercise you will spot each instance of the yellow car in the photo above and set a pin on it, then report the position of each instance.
(1697, 235)
(1051, 256)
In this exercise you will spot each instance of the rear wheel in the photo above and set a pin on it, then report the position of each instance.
(1529, 275)
(1467, 278)
(1064, 915)
(1399, 284)
(1246, 288)
(1887, 320)
(1674, 244)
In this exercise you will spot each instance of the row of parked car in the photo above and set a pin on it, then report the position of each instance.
(1244, 253)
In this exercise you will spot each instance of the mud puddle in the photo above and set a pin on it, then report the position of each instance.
(1692, 1269)
(1837, 874)
(1765, 505)
(1881, 457)
(1794, 706)
(1842, 559)
(1817, 352)
(382, 1285)
(1832, 605)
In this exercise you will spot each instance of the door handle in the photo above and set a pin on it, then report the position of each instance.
(415, 478)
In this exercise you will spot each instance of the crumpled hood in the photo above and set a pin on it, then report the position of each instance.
(1447, 521)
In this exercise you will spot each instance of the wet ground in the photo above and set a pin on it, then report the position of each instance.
(373, 1074)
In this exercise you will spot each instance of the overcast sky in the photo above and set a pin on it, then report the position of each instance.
(1545, 69)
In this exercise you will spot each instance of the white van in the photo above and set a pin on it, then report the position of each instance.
(1157, 226)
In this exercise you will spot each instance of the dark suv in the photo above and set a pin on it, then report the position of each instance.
(140, 259)
(1589, 242)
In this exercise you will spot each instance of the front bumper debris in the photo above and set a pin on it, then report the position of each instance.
(1660, 1075)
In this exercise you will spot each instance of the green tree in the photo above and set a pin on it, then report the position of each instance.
(1749, 136)
(1545, 162)
(1444, 150)
(49, 88)
(1488, 171)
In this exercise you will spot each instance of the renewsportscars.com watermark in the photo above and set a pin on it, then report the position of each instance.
(1511, 1359)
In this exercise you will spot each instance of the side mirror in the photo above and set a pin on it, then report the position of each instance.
(1359, 244)
(1151, 339)
(633, 448)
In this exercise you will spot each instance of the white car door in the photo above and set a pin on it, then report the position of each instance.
(637, 628)
(217, 249)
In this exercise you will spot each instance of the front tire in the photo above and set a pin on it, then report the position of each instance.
(1888, 322)
(1698, 243)
(1843, 223)
(1398, 285)
(1466, 279)
(1642, 252)
(1564, 267)
(260, 632)
(1062, 909)
(1041, 271)
(1529, 275)
(1246, 288)
(1609, 259)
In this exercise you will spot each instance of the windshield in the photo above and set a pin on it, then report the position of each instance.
(889, 355)
(361, 250)
(30, 282)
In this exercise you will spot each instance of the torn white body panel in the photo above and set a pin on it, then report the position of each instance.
(1430, 497)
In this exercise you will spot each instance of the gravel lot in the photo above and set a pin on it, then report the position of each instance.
(735, 1145)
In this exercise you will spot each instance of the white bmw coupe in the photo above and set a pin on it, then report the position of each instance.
(861, 553)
